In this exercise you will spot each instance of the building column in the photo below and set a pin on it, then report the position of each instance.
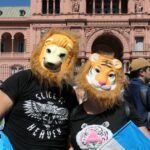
(124, 66)
(53, 6)
(102, 6)
(12, 44)
(0, 45)
(83, 7)
(24, 49)
(83, 61)
(93, 6)
(47, 7)
(119, 6)
(61, 6)
(111, 8)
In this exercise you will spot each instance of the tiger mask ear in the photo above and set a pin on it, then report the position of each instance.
(116, 63)
(94, 57)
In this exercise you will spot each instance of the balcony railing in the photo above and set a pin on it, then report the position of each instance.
(135, 54)
(7, 70)
(14, 54)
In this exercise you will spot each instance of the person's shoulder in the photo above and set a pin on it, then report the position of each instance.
(123, 106)
(77, 112)
(22, 77)
(22, 73)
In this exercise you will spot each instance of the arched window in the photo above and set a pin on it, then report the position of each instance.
(6, 44)
(19, 42)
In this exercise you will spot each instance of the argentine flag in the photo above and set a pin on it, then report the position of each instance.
(4, 142)
(129, 137)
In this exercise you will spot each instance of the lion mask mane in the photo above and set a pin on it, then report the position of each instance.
(54, 58)
(102, 79)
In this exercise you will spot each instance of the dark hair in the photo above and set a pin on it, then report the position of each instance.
(136, 73)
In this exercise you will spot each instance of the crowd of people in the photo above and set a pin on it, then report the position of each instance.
(43, 110)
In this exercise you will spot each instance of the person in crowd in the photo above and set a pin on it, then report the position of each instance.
(94, 122)
(139, 74)
(36, 103)
(1, 82)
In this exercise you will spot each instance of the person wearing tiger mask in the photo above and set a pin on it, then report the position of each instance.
(102, 113)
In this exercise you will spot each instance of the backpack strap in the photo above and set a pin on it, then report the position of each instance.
(127, 109)
(143, 94)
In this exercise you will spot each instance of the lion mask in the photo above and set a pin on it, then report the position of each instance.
(102, 79)
(54, 58)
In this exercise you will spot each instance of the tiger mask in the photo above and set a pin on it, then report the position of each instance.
(102, 79)
(54, 58)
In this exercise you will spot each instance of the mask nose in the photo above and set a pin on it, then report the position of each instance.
(102, 83)
(52, 66)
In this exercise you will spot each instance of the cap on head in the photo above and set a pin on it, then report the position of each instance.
(139, 63)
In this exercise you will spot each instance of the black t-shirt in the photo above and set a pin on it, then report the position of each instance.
(39, 117)
(89, 131)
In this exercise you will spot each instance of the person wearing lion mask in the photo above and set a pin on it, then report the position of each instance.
(102, 113)
(37, 102)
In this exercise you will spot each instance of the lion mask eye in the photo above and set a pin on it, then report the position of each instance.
(48, 50)
(62, 55)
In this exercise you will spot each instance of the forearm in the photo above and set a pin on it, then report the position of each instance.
(145, 131)
(5, 104)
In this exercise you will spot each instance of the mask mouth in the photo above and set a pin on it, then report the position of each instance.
(52, 67)
(104, 88)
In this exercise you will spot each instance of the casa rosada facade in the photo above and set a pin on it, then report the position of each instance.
(119, 27)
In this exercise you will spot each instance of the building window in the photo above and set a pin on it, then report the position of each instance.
(98, 6)
(22, 12)
(20, 46)
(139, 44)
(57, 6)
(124, 6)
(115, 6)
(107, 7)
(89, 6)
(44, 6)
(2, 47)
(51, 6)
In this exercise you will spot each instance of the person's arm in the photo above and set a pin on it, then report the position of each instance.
(69, 144)
(71, 148)
(138, 121)
(145, 131)
(5, 104)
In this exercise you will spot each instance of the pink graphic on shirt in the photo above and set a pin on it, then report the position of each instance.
(93, 136)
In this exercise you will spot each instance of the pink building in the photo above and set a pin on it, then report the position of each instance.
(118, 26)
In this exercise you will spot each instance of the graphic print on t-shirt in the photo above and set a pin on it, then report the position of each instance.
(45, 111)
(92, 137)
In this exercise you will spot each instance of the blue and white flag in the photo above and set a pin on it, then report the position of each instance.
(129, 137)
(4, 142)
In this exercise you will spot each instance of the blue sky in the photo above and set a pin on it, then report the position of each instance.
(14, 3)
